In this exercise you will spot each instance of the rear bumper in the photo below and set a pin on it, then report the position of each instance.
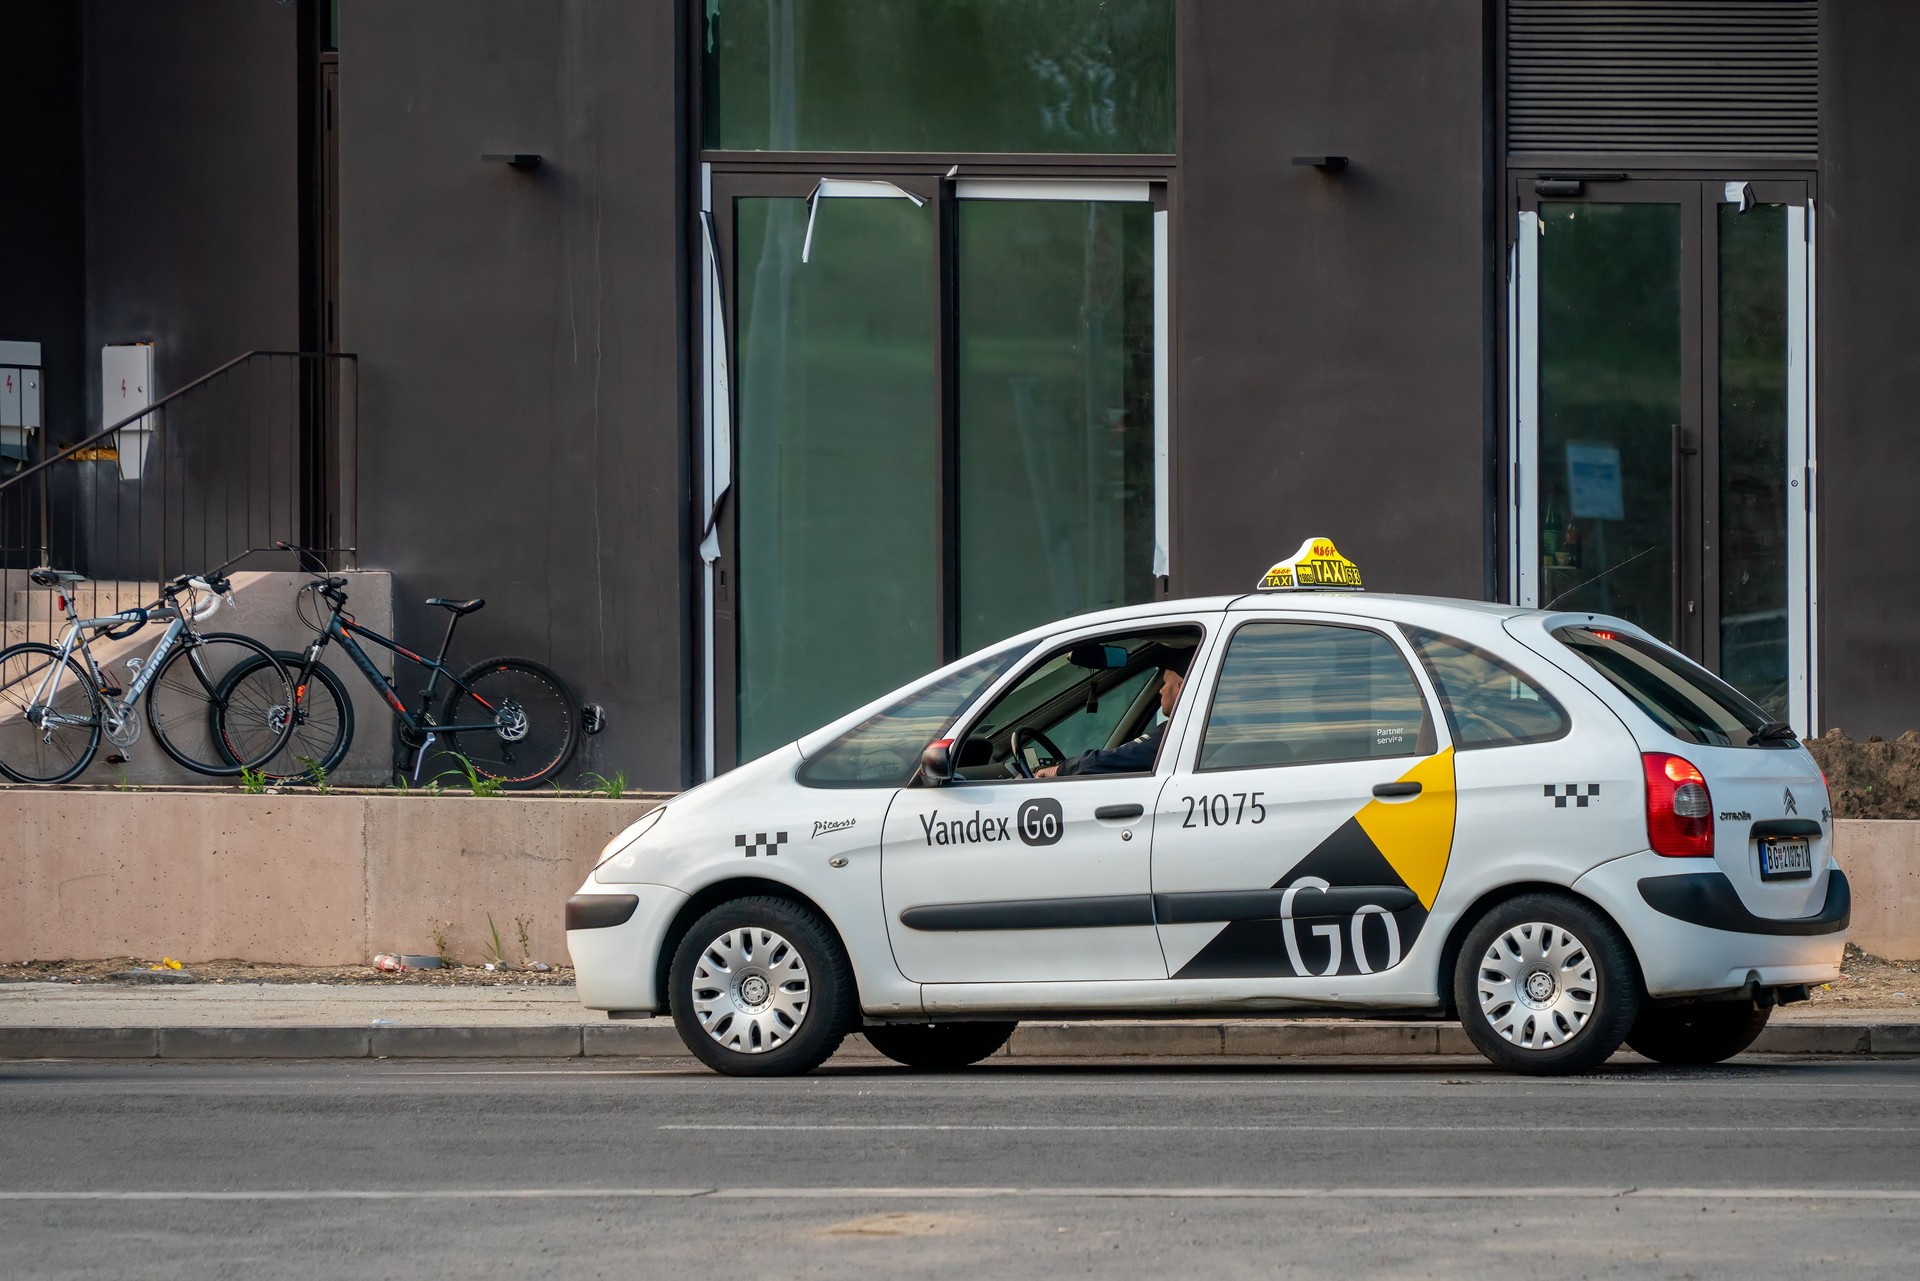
(1692, 936)
(614, 940)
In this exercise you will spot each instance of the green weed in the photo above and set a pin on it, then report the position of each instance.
(611, 788)
(252, 782)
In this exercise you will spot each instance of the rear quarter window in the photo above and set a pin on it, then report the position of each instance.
(1687, 701)
(1488, 702)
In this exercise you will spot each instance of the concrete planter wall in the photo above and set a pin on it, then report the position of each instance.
(297, 878)
(331, 880)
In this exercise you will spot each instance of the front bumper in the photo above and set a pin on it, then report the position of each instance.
(613, 962)
(1692, 936)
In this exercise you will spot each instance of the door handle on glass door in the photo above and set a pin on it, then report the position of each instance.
(1389, 790)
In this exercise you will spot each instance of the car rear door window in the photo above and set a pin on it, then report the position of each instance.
(1305, 693)
(1487, 701)
(1688, 702)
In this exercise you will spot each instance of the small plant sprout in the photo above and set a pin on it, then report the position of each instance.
(523, 926)
(437, 931)
(611, 788)
(252, 782)
(494, 951)
(316, 774)
(477, 783)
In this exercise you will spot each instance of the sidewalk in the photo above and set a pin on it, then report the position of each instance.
(249, 1020)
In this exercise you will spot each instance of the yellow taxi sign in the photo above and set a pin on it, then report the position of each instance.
(1317, 566)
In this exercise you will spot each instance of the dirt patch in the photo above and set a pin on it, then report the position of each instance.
(103, 971)
(1868, 983)
(1874, 779)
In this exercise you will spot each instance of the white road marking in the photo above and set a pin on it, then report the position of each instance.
(935, 1128)
(979, 1193)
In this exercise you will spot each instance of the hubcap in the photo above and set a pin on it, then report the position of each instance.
(751, 990)
(1537, 986)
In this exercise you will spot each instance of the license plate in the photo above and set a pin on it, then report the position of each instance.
(1786, 858)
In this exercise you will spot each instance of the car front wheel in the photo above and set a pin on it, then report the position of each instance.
(761, 987)
(1545, 985)
(938, 1047)
(1697, 1034)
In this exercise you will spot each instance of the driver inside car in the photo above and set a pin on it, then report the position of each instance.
(1134, 757)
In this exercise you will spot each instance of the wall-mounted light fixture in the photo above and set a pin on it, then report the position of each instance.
(1325, 164)
(518, 159)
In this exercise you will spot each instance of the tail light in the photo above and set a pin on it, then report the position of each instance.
(1679, 807)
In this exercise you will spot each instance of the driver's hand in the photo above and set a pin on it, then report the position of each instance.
(1046, 771)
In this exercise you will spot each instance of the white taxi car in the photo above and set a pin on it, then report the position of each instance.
(1307, 799)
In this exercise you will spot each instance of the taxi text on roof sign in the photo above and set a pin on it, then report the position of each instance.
(1317, 565)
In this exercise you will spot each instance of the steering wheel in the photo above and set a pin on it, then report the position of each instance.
(1017, 762)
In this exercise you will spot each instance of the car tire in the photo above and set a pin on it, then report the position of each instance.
(761, 987)
(1697, 1034)
(1545, 986)
(938, 1047)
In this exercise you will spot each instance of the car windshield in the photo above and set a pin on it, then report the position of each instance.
(884, 750)
(1687, 701)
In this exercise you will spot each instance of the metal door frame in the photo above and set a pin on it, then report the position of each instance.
(1696, 514)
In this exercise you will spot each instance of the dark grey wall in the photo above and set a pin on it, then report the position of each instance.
(1869, 370)
(1331, 329)
(519, 335)
(43, 291)
(192, 182)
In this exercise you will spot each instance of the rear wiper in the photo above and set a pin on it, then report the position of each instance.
(1772, 732)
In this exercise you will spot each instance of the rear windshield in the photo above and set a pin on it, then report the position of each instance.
(1687, 701)
(884, 750)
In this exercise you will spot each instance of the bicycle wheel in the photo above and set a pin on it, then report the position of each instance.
(213, 725)
(534, 719)
(60, 738)
(322, 724)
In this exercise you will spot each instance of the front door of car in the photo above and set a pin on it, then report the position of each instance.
(999, 879)
(1309, 825)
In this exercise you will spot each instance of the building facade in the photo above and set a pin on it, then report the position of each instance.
(810, 344)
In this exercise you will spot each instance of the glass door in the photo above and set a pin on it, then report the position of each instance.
(1658, 416)
(935, 416)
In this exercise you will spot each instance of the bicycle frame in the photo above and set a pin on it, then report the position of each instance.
(341, 629)
(76, 636)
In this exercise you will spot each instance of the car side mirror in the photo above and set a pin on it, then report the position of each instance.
(936, 763)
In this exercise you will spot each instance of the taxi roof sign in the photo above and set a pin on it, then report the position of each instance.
(1317, 566)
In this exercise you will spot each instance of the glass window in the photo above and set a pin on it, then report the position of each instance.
(1301, 693)
(1487, 702)
(1056, 411)
(939, 75)
(839, 577)
(1687, 701)
(1091, 695)
(884, 750)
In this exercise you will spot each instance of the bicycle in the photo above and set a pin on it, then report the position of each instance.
(510, 719)
(204, 712)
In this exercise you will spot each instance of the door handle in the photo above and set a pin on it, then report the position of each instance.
(1396, 789)
(1119, 811)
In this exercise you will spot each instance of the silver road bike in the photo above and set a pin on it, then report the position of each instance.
(58, 701)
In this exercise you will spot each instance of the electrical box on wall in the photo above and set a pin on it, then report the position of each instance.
(126, 388)
(20, 382)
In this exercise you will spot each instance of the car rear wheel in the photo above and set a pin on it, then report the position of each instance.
(760, 987)
(1545, 985)
(1697, 1034)
(938, 1046)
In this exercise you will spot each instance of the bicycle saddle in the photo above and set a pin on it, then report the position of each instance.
(54, 577)
(457, 606)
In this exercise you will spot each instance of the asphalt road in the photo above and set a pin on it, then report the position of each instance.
(649, 1169)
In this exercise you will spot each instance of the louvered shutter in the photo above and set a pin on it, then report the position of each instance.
(1663, 77)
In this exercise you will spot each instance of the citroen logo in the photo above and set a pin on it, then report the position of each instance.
(1791, 807)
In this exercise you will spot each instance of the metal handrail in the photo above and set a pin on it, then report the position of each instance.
(135, 417)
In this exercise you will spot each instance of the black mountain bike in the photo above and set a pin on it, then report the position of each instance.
(511, 719)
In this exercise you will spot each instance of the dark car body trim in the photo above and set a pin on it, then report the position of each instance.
(1709, 899)
(1189, 908)
(600, 911)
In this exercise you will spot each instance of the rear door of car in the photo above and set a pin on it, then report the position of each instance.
(1309, 824)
